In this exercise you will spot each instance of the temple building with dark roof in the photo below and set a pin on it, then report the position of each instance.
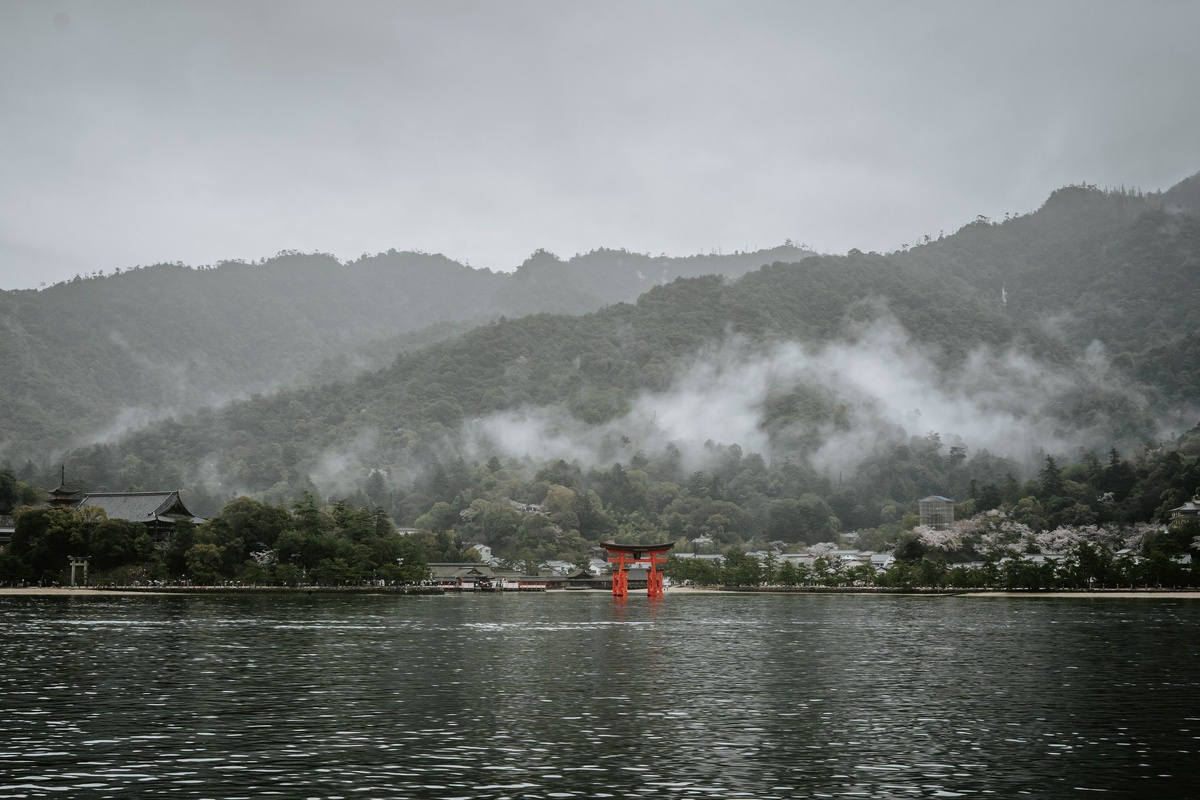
(158, 511)
(1189, 510)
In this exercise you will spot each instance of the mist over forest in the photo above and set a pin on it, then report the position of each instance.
(774, 396)
(90, 358)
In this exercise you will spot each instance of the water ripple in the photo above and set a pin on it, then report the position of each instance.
(551, 696)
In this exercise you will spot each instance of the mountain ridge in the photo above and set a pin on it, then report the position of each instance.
(568, 372)
(1054, 304)
(83, 355)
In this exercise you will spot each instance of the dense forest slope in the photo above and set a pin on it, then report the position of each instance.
(87, 359)
(1062, 332)
(1112, 267)
(1040, 370)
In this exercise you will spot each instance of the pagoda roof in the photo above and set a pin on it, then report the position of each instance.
(62, 495)
(142, 507)
(62, 491)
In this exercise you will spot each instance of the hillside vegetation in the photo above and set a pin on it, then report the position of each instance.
(88, 359)
(1041, 367)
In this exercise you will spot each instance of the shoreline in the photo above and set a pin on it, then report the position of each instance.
(65, 591)
(131, 591)
(1031, 594)
(1161, 594)
(169, 591)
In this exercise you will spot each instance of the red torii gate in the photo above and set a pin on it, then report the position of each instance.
(623, 556)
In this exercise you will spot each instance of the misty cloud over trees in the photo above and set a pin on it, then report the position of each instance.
(777, 396)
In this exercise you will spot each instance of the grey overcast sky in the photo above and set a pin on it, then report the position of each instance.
(141, 132)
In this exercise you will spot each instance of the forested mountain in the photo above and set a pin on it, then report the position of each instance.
(85, 360)
(1042, 366)
(1112, 267)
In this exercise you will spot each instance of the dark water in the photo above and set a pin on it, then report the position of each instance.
(559, 696)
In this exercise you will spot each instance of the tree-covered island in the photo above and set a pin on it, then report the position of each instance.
(772, 408)
(742, 524)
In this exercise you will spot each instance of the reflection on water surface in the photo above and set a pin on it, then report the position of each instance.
(559, 696)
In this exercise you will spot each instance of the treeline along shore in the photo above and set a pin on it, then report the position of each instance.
(675, 591)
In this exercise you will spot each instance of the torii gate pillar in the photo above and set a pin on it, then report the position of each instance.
(623, 556)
